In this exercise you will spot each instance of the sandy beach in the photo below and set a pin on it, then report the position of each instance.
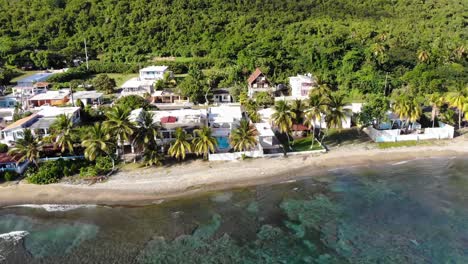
(150, 185)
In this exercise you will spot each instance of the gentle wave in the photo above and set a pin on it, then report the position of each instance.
(55, 207)
(401, 162)
(14, 236)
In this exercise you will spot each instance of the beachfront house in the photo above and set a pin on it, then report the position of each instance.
(39, 123)
(258, 82)
(52, 98)
(222, 120)
(267, 140)
(170, 120)
(154, 73)
(137, 86)
(88, 97)
(396, 129)
(11, 163)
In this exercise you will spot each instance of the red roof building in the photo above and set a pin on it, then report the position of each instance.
(258, 82)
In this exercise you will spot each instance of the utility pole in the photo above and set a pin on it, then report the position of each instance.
(386, 78)
(86, 54)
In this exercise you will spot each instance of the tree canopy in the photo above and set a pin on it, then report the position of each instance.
(370, 45)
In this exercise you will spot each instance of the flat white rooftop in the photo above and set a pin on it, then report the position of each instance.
(302, 78)
(182, 115)
(155, 68)
(51, 95)
(52, 111)
(137, 82)
(264, 130)
(87, 95)
(225, 113)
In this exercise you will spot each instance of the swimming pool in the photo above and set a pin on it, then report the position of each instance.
(223, 143)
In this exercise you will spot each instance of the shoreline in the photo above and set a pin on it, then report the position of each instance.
(145, 186)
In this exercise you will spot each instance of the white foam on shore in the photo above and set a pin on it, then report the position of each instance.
(14, 236)
(55, 207)
(401, 162)
(290, 181)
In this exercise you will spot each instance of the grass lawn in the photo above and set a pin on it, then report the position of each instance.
(119, 78)
(336, 137)
(303, 144)
(412, 143)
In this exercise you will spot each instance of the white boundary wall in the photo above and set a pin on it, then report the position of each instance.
(258, 153)
(443, 132)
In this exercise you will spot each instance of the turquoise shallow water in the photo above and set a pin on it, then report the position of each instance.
(414, 212)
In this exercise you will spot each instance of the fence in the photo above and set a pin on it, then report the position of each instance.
(258, 153)
(444, 131)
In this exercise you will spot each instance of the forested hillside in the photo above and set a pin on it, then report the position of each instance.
(350, 44)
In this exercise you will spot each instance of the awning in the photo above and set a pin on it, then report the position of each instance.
(168, 119)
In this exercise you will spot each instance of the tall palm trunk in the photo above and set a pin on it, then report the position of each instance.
(313, 138)
(459, 118)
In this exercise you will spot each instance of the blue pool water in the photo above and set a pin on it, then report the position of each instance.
(223, 143)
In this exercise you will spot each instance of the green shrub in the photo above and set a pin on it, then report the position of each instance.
(103, 164)
(53, 171)
(89, 171)
(3, 148)
(48, 172)
(10, 175)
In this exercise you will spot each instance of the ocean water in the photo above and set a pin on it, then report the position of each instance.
(407, 212)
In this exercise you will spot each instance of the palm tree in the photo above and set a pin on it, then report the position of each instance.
(335, 111)
(152, 157)
(181, 145)
(146, 131)
(458, 99)
(408, 109)
(62, 130)
(313, 114)
(119, 125)
(283, 117)
(204, 143)
(322, 89)
(437, 101)
(297, 107)
(244, 137)
(251, 109)
(97, 142)
(28, 147)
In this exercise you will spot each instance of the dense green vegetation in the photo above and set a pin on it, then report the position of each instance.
(372, 45)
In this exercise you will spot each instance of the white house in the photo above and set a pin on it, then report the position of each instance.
(39, 123)
(187, 119)
(222, 96)
(223, 119)
(88, 97)
(301, 85)
(137, 86)
(153, 73)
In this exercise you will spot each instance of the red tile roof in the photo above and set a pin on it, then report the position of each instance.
(254, 76)
(6, 158)
(299, 127)
(41, 84)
